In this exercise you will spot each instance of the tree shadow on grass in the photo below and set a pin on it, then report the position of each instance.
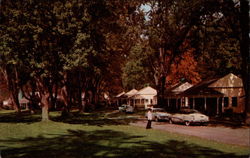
(94, 118)
(104, 143)
(97, 119)
(24, 117)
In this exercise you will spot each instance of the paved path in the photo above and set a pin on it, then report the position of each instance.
(238, 136)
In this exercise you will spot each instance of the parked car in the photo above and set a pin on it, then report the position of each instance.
(159, 114)
(126, 108)
(189, 116)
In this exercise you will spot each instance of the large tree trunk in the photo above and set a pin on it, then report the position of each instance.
(15, 101)
(12, 81)
(80, 100)
(66, 98)
(53, 96)
(161, 78)
(45, 107)
(161, 91)
(244, 49)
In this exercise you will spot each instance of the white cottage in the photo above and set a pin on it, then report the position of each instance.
(122, 98)
(143, 98)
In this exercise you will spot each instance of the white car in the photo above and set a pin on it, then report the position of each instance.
(159, 114)
(189, 116)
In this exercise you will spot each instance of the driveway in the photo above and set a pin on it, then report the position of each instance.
(237, 136)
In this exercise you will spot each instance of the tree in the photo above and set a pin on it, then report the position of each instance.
(137, 71)
(184, 68)
(245, 53)
(171, 24)
(60, 45)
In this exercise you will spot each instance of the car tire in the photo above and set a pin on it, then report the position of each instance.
(205, 124)
(187, 123)
(170, 121)
(156, 119)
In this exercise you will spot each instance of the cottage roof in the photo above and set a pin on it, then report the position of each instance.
(120, 94)
(147, 91)
(178, 88)
(129, 93)
(228, 81)
(202, 89)
(24, 101)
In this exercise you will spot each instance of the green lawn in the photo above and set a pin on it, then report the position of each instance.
(94, 135)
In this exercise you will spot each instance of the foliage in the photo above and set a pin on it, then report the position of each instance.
(47, 41)
(137, 73)
(185, 68)
(217, 50)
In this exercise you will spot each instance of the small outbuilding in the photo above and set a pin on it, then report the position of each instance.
(123, 98)
(24, 103)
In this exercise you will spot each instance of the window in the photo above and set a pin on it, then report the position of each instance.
(234, 101)
(226, 102)
(137, 101)
(142, 101)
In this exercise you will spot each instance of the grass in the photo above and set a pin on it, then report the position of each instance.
(94, 135)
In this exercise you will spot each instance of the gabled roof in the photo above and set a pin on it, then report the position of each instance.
(228, 81)
(182, 87)
(178, 88)
(147, 91)
(120, 94)
(207, 87)
(202, 89)
(23, 101)
(129, 93)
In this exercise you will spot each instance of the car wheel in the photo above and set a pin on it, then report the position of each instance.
(187, 123)
(205, 124)
(156, 119)
(170, 121)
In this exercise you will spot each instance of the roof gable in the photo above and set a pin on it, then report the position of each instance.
(147, 91)
(182, 87)
(131, 92)
(202, 89)
(228, 81)
(120, 94)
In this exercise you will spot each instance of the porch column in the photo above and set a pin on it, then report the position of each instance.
(193, 103)
(222, 104)
(186, 102)
(26, 106)
(230, 102)
(217, 106)
(205, 105)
